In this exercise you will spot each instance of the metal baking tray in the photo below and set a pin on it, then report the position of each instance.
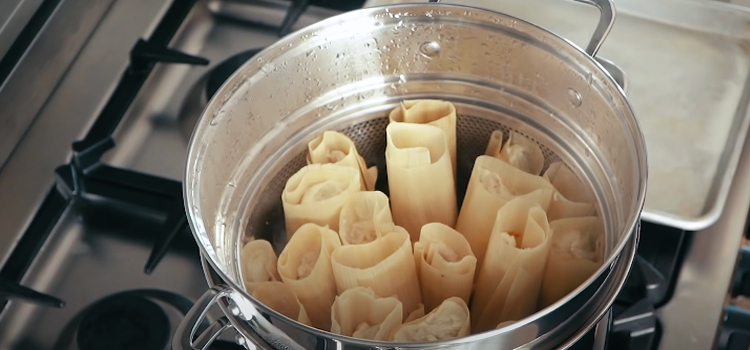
(688, 64)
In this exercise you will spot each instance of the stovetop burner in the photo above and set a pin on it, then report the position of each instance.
(207, 86)
(124, 322)
(219, 74)
(130, 320)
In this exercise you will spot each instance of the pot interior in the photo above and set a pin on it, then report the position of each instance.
(348, 72)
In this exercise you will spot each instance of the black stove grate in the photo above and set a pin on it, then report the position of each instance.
(650, 284)
(735, 331)
(298, 7)
(85, 175)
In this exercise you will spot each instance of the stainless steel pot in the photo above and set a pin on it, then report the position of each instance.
(345, 73)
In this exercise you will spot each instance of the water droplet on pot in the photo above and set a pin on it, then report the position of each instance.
(216, 118)
(430, 49)
(575, 97)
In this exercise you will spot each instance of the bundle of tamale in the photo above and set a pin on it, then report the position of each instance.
(413, 267)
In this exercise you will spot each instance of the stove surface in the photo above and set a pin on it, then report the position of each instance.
(86, 223)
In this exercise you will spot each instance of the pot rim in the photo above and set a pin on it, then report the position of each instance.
(254, 67)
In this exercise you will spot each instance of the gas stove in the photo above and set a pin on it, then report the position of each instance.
(97, 103)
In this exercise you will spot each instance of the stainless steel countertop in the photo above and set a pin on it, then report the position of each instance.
(45, 62)
(14, 15)
(75, 96)
(691, 318)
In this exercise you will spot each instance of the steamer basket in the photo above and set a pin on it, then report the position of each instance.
(347, 73)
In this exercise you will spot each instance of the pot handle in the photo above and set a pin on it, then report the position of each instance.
(187, 337)
(616, 73)
(607, 16)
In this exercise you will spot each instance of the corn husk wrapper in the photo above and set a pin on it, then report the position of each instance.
(419, 312)
(336, 148)
(495, 145)
(577, 251)
(386, 265)
(359, 313)
(365, 216)
(562, 208)
(280, 297)
(305, 265)
(316, 194)
(491, 185)
(420, 179)
(448, 321)
(441, 114)
(518, 151)
(258, 263)
(445, 265)
(573, 199)
(568, 184)
(507, 286)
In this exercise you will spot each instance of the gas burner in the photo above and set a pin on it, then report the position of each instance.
(124, 322)
(206, 87)
(649, 285)
(634, 322)
(134, 319)
(644, 282)
(219, 74)
(634, 327)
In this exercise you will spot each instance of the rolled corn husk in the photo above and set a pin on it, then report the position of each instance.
(507, 286)
(491, 185)
(316, 194)
(576, 252)
(280, 297)
(562, 208)
(518, 151)
(258, 264)
(420, 179)
(359, 313)
(448, 321)
(336, 148)
(568, 184)
(305, 265)
(495, 145)
(386, 265)
(432, 112)
(365, 216)
(445, 265)
(419, 312)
